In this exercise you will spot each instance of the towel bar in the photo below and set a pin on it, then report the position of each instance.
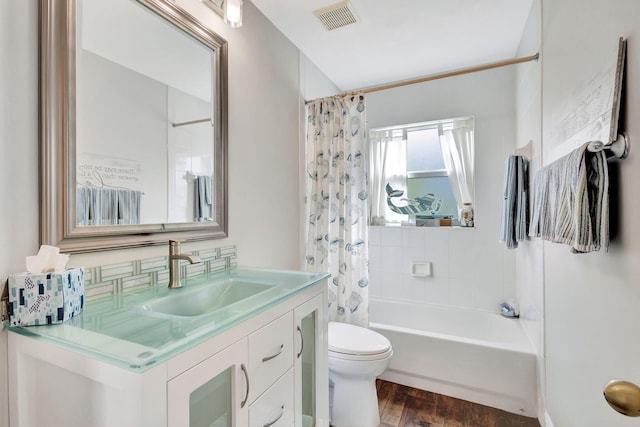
(619, 148)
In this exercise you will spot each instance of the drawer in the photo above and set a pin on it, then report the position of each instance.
(275, 408)
(270, 354)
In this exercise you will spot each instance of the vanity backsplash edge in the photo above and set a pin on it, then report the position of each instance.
(107, 280)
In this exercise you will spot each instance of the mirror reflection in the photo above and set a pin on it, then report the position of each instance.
(144, 133)
(133, 116)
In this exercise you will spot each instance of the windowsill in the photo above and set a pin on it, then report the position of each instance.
(395, 224)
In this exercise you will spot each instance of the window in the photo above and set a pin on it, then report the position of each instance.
(421, 170)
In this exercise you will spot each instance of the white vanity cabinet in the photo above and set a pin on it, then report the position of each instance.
(211, 393)
(311, 363)
(268, 371)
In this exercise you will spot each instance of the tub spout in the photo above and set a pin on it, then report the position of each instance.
(509, 310)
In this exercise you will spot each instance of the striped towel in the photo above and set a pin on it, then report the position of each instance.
(516, 201)
(107, 206)
(571, 201)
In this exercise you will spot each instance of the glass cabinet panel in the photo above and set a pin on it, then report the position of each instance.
(210, 405)
(308, 360)
(213, 392)
(312, 388)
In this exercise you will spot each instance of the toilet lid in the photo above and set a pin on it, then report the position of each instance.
(351, 339)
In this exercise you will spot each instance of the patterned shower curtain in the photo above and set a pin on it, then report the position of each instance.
(336, 203)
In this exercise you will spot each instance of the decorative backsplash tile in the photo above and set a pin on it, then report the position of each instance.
(128, 276)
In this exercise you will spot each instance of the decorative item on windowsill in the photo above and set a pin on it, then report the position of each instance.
(433, 220)
(48, 293)
(466, 215)
(424, 208)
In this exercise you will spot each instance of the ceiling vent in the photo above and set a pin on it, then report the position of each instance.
(337, 15)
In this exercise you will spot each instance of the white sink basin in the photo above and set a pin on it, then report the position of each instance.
(185, 302)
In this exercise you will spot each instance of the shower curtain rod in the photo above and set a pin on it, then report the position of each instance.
(448, 74)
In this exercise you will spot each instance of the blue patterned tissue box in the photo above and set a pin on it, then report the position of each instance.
(47, 298)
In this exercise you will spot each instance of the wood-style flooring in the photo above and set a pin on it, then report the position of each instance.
(402, 406)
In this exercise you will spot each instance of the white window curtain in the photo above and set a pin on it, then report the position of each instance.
(457, 151)
(388, 165)
(336, 198)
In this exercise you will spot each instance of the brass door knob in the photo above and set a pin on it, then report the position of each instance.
(624, 397)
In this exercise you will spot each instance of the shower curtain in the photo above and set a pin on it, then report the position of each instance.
(336, 198)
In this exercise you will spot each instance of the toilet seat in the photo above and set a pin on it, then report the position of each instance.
(350, 342)
(360, 357)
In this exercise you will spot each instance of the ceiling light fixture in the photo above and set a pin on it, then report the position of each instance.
(229, 10)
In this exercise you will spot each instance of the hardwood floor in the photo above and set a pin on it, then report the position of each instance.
(402, 406)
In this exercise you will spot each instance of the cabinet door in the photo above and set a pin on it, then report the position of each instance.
(212, 393)
(310, 365)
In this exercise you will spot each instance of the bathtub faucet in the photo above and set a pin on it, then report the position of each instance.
(509, 310)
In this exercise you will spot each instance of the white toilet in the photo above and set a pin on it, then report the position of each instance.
(356, 357)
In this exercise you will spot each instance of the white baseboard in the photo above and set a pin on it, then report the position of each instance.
(547, 420)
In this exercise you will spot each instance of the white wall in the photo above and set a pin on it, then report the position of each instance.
(190, 152)
(136, 135)
(264, 108)
(592, 301)
(470, 268)
(263, 146)
(18, 150)
(314, 84)
(529, 264)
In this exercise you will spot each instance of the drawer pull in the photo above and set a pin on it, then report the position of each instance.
(246, 379)
(301, 342)
(266, 359)
(277, 418)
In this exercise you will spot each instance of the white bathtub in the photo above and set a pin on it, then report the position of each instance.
(472, 355)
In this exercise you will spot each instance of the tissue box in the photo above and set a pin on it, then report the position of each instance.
(47, 298)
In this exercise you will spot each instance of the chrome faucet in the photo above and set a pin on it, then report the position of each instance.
(174, 263)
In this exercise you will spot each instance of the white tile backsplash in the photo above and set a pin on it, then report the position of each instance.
(374, 285)
(414, 288)
(437, 291)
(462, 254)
(437, 249)
(462, 293)
(412, 237)
(390, 236)
(375, 258)
(391, 259)
(468, 269)
(489, 290)
(390, 285)
(374, 236)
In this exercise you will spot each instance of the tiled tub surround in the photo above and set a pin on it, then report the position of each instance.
(468, 268)
(129, 276)
(445, 329)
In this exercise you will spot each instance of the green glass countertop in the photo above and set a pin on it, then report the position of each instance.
(122, 331)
